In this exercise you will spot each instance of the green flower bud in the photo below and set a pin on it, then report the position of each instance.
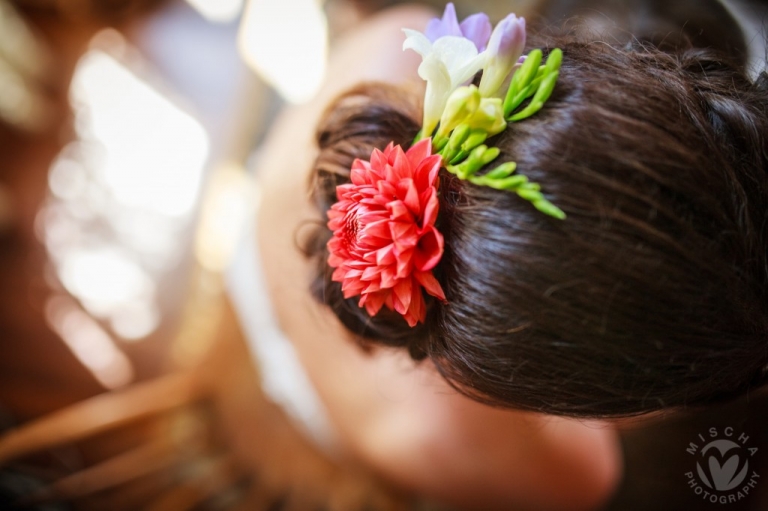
(489, 117)
(462, 103)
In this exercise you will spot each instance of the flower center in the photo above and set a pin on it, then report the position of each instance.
(351, 228)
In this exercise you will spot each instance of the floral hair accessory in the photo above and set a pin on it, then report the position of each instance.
(459, 117)
(385, 244)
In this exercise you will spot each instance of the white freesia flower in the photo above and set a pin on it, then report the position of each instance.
(447, 64)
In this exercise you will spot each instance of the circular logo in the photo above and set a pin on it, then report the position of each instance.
(722, 466)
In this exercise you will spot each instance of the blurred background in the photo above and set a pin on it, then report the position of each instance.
(126, 128)
(118, 117)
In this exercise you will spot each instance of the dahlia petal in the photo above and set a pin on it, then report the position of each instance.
(378, 229)
(343, 190)
(377, 204)
(359, 265)
(418, 309)
(335, 261)
(404, 252)
(357, 174)
(349, 283)
(398, 230)
(386, 255)
(338, 274)
(370, 273)
(374, 302)
(370, 308)
(393, 153)
(387, 278)
(354, 274)
(435, 162)
(399, 308)
(404, 264)
(409, 195)
(419, 151)
(367, 215)
(429, 250)
(430, 210)
(401, 165)
(430, 283)
(399, 211)
(372, 287)
(416, 312)
(427, 170)
(362, 174)
(403, 294)
(386, 190)
(405, 236)
(381, 201)
(348, 287)
(352, 290)
(391, 174)
(377, 165)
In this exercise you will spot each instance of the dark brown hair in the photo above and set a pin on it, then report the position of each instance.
(653, 292)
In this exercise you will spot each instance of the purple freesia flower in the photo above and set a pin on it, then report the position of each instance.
(504, 51)
(509, 37)
(476, 28)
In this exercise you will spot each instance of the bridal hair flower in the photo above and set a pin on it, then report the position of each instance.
(385, 244)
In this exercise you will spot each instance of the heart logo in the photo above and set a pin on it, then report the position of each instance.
(723, 474)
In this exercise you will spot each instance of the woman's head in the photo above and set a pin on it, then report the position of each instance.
(652, 293)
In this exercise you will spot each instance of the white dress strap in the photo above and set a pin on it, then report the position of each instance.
(283, 378)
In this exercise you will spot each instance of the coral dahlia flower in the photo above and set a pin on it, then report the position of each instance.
(385, 243)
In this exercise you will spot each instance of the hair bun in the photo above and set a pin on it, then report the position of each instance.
(366, 117)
